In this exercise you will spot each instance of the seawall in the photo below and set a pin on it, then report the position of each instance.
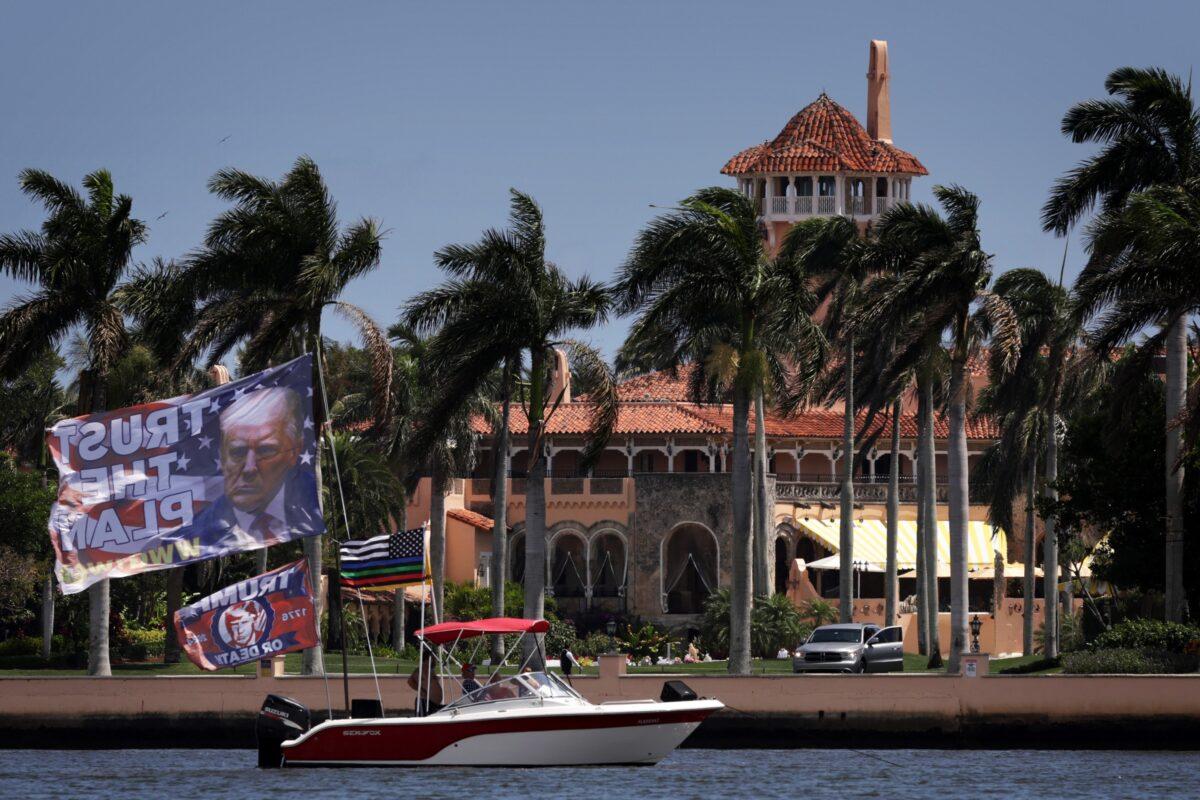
(896, 710)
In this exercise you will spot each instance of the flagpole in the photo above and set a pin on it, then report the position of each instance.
(342, 630)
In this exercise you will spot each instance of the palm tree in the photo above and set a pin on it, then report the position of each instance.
(269, 268)
(451, 453)
(831, 251)
(76, 262)
(505, 285)
(1149, 130)
(1020, 400)
(944, 291)
(708, 295)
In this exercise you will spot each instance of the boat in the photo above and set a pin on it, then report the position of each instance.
(533, 718)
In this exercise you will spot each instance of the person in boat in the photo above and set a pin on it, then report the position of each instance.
(428, 687)
(469, 684)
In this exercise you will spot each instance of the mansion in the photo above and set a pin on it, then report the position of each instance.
(648, 530)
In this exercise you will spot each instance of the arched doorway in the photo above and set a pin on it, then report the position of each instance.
(689, 569)
(568, 565)
(783, 562)
(608, 565)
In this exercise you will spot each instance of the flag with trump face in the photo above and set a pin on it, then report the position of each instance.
(171, 482)
(267, 615)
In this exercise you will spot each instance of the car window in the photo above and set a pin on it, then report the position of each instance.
(850, 635)
(889, 635)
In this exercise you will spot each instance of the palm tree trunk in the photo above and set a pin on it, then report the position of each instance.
(1176, 402)
(98, 595)
(437, 534)
(260, 560)
(740, 599)
(1027, 633)
(922, 614)
(535, 503)
(312, 660)
(499, 562)
(48, 612)
(763, 586)
(891, 584)
(929, 536)
(171, 643)
(1050, 543)
(846, 530)
(959, 483)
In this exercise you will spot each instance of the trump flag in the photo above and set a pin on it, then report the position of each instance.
(260, 617)
(176, 481)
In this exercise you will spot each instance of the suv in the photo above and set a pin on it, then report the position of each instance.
(851, 648)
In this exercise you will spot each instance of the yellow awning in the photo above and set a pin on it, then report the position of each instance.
(870, 541)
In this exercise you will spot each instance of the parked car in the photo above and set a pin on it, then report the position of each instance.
(851, 648)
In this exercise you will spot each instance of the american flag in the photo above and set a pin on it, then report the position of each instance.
(387, 561)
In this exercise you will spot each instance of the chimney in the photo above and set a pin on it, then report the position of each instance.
(560, 377)
(879, 107)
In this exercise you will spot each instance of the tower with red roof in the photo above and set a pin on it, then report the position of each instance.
(824, 162)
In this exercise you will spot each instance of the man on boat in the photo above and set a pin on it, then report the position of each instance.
(469, 684)
(427, 685)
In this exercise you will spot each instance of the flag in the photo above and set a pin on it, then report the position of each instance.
(175, 481)
(260, 617)
(386, 561)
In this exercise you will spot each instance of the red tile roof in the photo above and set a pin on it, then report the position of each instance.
(471, 518)
(824, 137)
(659, 403)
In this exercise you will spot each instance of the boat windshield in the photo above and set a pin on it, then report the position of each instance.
(526, 685)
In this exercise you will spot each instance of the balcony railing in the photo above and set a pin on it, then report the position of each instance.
(826, 205)
(866, 492)
(856, 206)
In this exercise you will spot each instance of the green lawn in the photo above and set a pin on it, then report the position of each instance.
(391, 666)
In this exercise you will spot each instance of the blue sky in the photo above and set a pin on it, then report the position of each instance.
(422, 115)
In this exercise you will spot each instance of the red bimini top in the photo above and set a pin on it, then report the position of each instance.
(452, 631)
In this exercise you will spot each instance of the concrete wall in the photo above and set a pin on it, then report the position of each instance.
(783, 711)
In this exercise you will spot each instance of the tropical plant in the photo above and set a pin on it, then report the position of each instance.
(943, 291)
(77, 262)
(820, 612)
(1143, 267)
(645, 642)
(776, 625)
(505, 285)
(708, 293)
(269, 268)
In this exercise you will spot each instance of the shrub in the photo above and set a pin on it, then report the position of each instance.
(820, 612)
(596, 644)
(142, 643)
(560, 637)
(775, 623)
(646, 641)
(1148, 634)
(22, 646)
(714, 629)
(1127, 661)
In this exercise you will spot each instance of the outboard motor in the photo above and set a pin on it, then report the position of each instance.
(675, 691)
(279, 720)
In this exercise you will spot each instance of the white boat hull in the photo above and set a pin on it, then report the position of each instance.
(568, 735)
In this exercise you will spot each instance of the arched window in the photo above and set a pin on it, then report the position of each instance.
(689, 569)
(568, 566)
(608, 565)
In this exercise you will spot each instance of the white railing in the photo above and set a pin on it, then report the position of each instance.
(857, 206)
(826, 205)
(779, 205)
(804, 206)
(882, 204)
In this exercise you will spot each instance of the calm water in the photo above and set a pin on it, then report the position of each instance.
(709, 774)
